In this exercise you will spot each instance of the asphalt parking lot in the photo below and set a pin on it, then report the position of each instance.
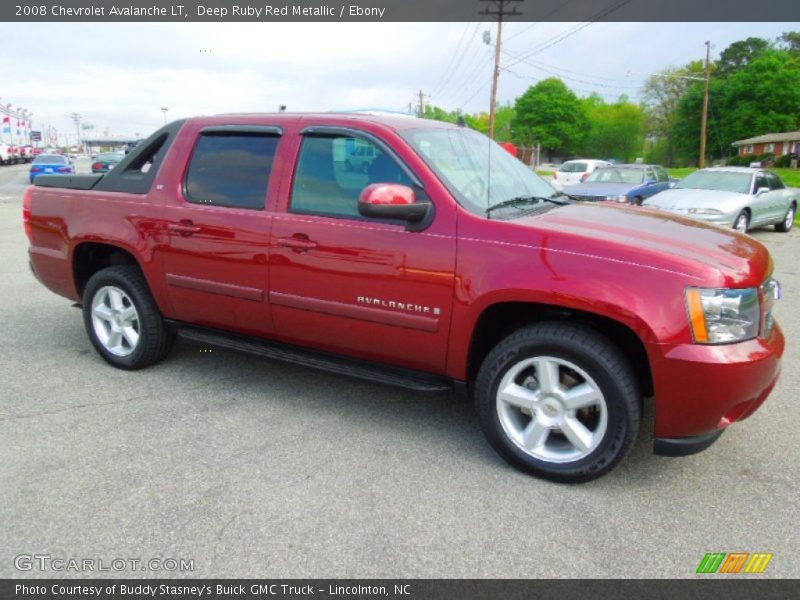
(257, 468)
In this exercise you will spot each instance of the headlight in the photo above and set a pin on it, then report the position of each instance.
(617, 198)
(772, 293)
(723, 316)
(705, 211)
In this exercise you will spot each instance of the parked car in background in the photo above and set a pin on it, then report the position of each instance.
(738, 197)
(576, 171)
(14, 154)
(50, 164)
(26, 153)
(5, 154)
(105, 161)
(621, 183)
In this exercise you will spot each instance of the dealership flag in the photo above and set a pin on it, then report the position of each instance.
(6, 124)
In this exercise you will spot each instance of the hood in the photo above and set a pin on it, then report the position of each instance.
(686, 198)
(600, 188)
(652, 237)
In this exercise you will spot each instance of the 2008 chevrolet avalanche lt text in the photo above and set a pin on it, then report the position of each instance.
(434, 261)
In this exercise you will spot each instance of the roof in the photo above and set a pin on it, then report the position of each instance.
(397, 122)
(789, 136)
(749, 170)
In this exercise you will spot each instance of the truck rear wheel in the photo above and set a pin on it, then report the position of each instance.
(122, 319)
(559, 401)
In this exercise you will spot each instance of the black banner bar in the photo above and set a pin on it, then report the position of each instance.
(396, 10)
(394, 589)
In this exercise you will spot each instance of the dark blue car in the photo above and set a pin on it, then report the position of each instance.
(631, 184)
(50, 164)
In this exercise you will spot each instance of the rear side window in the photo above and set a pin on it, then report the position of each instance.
(662, 174)
(573, 167)
(774, 181)
(231, 170)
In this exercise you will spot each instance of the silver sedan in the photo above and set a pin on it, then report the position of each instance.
(737, 197)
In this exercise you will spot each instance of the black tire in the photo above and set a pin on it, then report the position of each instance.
(742, 215)
(154, 339)
(785, 226)
(637, 201)
(597, 357)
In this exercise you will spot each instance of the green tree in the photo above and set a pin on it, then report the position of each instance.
(740, 54)
(790, 41)
(661, 96)
(439, 114)
(763, 97)
(549, 113)
(615, 130)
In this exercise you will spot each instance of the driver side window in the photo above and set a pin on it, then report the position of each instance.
(332, 171)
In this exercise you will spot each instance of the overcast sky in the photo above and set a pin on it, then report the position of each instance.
(117, 76)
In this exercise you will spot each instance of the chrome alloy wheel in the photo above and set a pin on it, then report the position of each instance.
(789, 219)
(551, 409)
(115, 320)
(741, 223)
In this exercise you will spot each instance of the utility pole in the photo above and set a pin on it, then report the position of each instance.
(704, 124)
(499, 13)
(76, 118)
(421, 103)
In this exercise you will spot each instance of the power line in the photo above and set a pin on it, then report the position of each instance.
(570, 32)
(457, 57)
(562, 76)
(469, 66)
(544, 18)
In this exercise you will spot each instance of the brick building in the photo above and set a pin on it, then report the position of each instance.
(776, 143)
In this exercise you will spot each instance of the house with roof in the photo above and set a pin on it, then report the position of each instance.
(776, 143)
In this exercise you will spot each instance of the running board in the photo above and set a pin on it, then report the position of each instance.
(352, 367)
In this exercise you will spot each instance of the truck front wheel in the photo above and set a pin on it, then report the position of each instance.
(559, 401)
(122, 319)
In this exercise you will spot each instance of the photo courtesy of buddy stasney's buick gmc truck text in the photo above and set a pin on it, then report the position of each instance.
(423, 255)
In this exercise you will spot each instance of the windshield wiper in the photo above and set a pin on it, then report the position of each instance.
(520, 200)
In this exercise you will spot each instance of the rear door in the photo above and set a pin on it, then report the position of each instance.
(780, 198)
(345, 283)
(215, 262)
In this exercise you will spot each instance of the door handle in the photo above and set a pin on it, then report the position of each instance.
(184, 228)
(300, 244)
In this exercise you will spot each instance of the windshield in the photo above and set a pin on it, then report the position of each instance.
(616, 176)
(56, 159)
(477, 171)
(724, 181)
(573, 167)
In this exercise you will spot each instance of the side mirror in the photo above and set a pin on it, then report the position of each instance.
(391, 201)
(762, 190)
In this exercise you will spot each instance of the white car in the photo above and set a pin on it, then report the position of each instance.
(573, 172)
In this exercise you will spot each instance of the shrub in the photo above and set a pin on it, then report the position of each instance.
(783, 162)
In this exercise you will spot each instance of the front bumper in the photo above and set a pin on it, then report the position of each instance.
(685, 446)
(700, 390)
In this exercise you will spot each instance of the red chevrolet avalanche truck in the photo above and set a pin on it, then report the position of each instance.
(442, 263)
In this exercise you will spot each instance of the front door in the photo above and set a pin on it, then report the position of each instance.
(344, 283)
